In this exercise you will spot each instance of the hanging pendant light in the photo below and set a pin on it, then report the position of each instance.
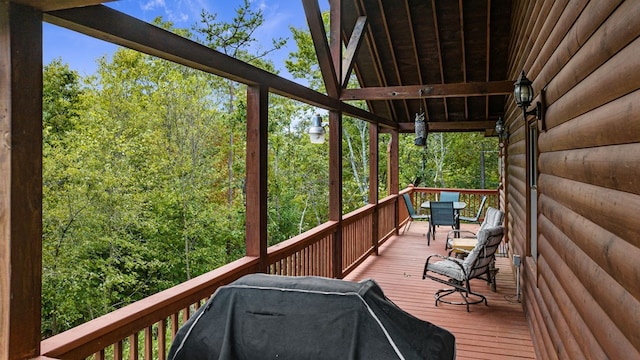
(421, 130)
(420, 125)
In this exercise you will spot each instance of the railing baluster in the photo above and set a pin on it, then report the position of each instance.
(148, 342)
(162, 339)
(117, 350)
(99, 355)
(133, 346)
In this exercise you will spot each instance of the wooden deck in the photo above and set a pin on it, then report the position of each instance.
(496, 331)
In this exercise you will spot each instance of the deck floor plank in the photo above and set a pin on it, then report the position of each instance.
(496, 331)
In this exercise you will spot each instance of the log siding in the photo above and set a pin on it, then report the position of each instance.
(582, 293)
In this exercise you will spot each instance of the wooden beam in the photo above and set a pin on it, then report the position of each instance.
(335, 187)
(335, 38)
(21, 180)
(355, 41)
(323, 52)
(48, 5)
(115, 27)
(437, 126)
(429, 91)
(257, 166)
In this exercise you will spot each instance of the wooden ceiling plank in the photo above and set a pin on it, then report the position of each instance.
(429, 91)
(115, 27)
(323, 52)
(352, 49)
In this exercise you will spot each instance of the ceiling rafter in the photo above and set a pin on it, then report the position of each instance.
(464, 57)
(488, 55)
(376, 55)
(429, 91)
(393, 53)
(455, 52)
(439, 45)
(416, 56)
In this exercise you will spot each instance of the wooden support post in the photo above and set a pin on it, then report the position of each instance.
(373, 182)
(394, 171)
(256, 207)
(335, 187)
(21, 180)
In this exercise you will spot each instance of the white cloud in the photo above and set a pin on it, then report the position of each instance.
(153, 4)
(174, 11)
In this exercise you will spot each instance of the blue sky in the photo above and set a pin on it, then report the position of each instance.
(81, 52)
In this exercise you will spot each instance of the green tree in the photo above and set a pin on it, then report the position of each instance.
(236, 39)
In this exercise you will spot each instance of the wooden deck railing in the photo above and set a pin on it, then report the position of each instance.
(472, 197)
(151, 324)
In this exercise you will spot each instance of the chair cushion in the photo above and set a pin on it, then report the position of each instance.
(448, 268)
(488, 241)
(492, 218)
(483, 235)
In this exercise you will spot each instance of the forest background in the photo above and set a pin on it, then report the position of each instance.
(144, 163)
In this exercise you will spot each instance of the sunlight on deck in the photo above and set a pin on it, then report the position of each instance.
(496, 331)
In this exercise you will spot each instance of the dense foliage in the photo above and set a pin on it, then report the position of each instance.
(143, 171)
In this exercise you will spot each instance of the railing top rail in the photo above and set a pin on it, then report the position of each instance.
(82, 340)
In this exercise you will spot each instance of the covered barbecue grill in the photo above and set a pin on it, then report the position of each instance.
(276, 317)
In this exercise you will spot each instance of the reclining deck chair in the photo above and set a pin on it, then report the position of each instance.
(479, 263)
(492, 218)
(412, 213)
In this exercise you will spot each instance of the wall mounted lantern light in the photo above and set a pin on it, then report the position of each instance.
(523, 94)
(501, 130)
(316, 131)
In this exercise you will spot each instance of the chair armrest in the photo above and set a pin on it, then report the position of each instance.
(436, 255)
(458, 250)
(467, 233)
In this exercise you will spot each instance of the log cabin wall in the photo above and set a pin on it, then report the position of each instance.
(581, 292)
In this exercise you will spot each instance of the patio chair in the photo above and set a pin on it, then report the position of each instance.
(492, 218)
(449, 196)
(442, 213)
(412, 213)
(475, 219)
(479, 264)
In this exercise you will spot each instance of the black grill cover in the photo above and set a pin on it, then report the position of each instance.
(276, 317)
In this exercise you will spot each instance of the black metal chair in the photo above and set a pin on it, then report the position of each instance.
(479, 263)
(442, 213)
(412, 213)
